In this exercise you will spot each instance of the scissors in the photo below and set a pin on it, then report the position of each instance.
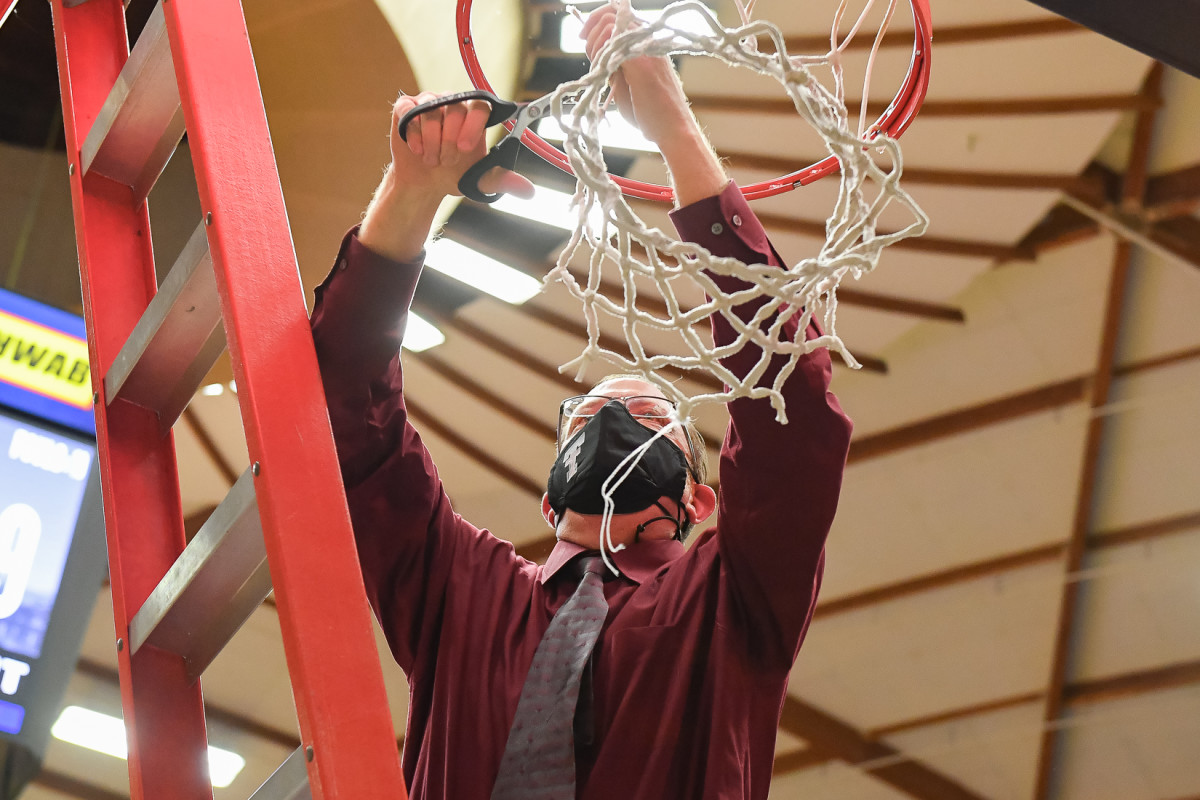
(505, 153)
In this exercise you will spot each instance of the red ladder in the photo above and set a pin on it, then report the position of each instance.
(150, 348)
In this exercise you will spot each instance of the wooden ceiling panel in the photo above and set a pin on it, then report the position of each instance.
(1175, 145)
(901, 659)
(38, 260)
(948, 13)
(1014, 339)
(1044, 143)
(927, 276)
(1152, 449)
(394, 682)
(219, 416)
(1139, 748)
(250, 674)
(478, 421)
(834, 779)
(1026, 67)
(1141, 605)
(1162, 299)
(993, 753)
(202, 483)
(870, 331)
(960, 494)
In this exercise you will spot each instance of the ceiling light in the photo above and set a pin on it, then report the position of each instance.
(687, 21)
(420, 335)
(105, 734)
(547, 206)
(484, 273)
(615, 132)
(212, 390)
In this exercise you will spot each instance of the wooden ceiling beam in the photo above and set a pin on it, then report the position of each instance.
(1142, 532)
(430, 423)
(835, 739)
(1006, 107)
(224, 716)
(1131, 197)
(1044, 398)
(939, 580)
(961, 34)
(209, 445)
(1116, 687)
(1172, 194)
(73, 787)
(955, 178)
(923, 244)
(1061, 226)
(1077, 542)
(502, 405)
(1079, 693)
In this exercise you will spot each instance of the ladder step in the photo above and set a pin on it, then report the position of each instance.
(288, 782)
(140, 124)
(177, 340)
(212, 588)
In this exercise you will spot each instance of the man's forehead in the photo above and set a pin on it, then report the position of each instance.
(626, 387)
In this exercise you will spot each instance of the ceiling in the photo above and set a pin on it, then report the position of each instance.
(1012, 595)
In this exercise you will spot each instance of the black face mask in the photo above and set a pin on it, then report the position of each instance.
(594, 452)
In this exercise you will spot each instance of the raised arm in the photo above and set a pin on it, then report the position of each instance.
(779, 484)
(405, 530)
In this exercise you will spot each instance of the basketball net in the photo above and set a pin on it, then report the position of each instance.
(870, 173)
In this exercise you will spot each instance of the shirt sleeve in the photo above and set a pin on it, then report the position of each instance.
(413, 549)
(779, 484)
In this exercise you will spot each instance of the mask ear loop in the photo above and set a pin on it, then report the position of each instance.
(618, 476)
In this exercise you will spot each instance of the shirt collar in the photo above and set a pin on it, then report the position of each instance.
(637, 562)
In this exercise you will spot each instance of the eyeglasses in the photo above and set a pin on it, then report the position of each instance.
(653, 412)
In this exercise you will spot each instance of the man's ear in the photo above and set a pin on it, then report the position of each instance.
(548, 512)
(702, 502)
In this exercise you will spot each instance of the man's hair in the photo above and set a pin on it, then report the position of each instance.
(699, 469)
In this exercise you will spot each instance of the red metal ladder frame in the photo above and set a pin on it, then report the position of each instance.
(125, 113)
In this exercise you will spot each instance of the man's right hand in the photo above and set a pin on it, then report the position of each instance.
(441, 145)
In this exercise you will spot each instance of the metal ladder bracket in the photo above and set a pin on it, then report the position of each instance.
(141, 123)
(176, 341)
(213, 587)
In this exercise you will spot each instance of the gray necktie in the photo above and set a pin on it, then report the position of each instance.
(539, 758)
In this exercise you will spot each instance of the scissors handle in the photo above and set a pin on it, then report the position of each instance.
(502, 155)
(501, 109)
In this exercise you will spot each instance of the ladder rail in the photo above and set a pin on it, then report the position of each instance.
(143, 518)
(324, 617)
(347, 739)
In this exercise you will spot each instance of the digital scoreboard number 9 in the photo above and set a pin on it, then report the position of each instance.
(20, 532)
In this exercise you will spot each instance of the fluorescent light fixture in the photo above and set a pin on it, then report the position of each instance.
(420, 335)
(213, 390)
(105, 734)
(547, 206)
(615, 131)
(486, 274)
(233, 386)
(687, 21)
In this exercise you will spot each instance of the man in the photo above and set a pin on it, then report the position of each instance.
(684, 689)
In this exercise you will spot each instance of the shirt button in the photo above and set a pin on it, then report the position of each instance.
(718, 228)
(342, 264)
(737, 221)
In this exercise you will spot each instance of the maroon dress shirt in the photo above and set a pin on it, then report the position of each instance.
(691, 668)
